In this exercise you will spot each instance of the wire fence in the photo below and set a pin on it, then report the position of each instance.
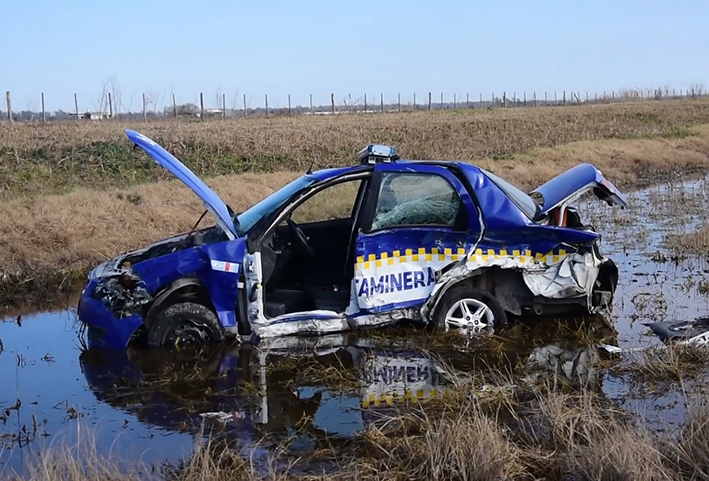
(110, 105)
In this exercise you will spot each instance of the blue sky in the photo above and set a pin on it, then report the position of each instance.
(346, 47)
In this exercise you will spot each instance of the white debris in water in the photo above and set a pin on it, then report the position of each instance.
(223, 417)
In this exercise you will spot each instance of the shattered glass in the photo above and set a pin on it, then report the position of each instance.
(415, 199)
(421, 211)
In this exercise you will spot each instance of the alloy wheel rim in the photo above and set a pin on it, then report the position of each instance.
(470, 315)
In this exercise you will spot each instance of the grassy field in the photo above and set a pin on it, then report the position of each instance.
(56, 158)
(77, 194)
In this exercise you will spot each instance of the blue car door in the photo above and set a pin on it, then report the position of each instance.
(418, 219)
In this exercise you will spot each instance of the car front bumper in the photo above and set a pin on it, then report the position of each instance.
(105, 329)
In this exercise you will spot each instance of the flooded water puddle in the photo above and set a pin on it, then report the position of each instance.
(150, 405)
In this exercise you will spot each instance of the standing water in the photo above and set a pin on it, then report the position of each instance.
(149, 405)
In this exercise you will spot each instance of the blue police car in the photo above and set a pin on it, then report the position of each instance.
(442, 244)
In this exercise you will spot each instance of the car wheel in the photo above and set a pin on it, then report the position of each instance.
(185, 324)
(470, 309)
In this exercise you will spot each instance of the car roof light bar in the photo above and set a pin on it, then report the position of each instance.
(374, 153)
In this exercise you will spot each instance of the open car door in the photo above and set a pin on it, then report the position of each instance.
(417, 220)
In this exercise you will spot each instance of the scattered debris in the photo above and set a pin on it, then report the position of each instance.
(223, 417)
(693, 332)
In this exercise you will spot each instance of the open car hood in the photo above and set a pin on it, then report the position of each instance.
(211, 200)
(574, 183)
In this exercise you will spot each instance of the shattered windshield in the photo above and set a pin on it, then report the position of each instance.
(525, 203)
(246, 220)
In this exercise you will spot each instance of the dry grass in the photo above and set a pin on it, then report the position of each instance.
(690, 454)
(591, 440)
(696, 242)
(210, 461)
(56, 158)
(673, 363)
(461, 444)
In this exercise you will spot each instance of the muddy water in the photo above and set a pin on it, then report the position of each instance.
(148, 406)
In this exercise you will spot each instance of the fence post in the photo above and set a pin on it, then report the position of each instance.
(455, 100)
(365, 102)
(534, 96)
(265, 96)
(481, 100)
(311, 104)
(525, 99)
(381, 99)
(289, 110)
(398, 102)
(586, 96)
(441, 100)
(332, 103)
(44, 113)
(492, 100)
(224, 106)
(429, 101)
(145, 114)
(564, 101)
(201, 107)
(467, 101)
(76, 107)
(504, 99)
(9, 106)
(414, 101)
(110, 106)
(174, 107)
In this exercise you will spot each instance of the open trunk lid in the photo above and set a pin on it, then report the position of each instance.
(211, 200)
(573, 183)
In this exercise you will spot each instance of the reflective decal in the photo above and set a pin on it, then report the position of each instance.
(223, 266)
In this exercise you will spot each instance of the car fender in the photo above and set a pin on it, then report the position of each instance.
(160, 301)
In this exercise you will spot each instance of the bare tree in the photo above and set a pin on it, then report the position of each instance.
(101, 103)
(235, 103)
(114, 88)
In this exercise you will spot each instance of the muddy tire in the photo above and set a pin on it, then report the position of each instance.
(467, 307)
(185, 323)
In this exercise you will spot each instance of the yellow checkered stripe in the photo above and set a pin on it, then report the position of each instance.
(442, 255)
(389, 399)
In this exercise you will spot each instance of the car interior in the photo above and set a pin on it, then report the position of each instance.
(308, 260)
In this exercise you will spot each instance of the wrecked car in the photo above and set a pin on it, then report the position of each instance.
(443, 244)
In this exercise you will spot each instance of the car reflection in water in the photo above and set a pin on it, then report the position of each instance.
(302, 384)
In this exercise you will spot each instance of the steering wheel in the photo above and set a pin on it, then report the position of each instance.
(300, 235)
